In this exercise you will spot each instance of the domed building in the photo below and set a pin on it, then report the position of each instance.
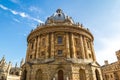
(60, 49)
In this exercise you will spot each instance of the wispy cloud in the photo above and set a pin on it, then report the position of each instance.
(21, 14)
(15, 1)
(35, 9)
(3, 7)
(16, 20)
(25, 35)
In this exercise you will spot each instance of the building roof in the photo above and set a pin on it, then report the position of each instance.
(59, 17)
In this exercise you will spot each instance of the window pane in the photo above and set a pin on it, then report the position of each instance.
(59, 52)
(59, 40)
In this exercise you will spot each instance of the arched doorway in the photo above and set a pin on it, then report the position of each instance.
(39, 75)
(97, 74)
(24, 75)
(60, 75)
(82, 74)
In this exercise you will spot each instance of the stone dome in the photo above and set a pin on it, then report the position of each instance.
(59, 17)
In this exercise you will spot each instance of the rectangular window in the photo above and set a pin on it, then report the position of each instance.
(79, 55)
(42, 53)
(59, 40)
(59, 52)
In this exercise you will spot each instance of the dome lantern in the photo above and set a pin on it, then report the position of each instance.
(59, 17)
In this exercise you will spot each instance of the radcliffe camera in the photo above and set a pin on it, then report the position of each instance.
(58, 48)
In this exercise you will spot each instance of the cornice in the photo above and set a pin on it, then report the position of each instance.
(45, 29)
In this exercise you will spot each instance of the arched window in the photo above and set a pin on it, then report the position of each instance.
(30, 56)
(97, 74)
(90, 56)
(60, 75)
(82, 74)
(17, 73)
(2, 78)
(39, 75)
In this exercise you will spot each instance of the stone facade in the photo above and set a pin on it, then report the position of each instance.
(7, 72)
(112, 71)
(60, 50)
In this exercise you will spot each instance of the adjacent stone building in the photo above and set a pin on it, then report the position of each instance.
(7, 72)
(60, 49)
(112, 71)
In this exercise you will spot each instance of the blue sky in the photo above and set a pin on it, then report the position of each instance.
(19, 17)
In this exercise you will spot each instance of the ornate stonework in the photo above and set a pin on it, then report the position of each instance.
(60, 50)
(8, 72)
(112, 71)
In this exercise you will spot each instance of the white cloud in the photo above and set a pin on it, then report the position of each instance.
(3, 7)
(110, 46)
(16, 20)
(37, 20)
(25, 35)
(21, 14)
(108, 34)
(34, 9)
(14, 12)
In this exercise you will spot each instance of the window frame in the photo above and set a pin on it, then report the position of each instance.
(59, 39)
(60, 52)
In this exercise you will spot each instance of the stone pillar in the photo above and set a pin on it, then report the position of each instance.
(35, 47)
(52, 45)
(67, 46)
(28, 50)
(72, 46)
(30, 46)
(92, 51)
(82, 47)
(38, 47)
(85, 47)
(47, 46)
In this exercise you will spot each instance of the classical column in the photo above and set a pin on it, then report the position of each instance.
(85, 47)
(35, 47)
(92, 51)
(47, 46)
(28, 50)
(82, 47)
(52, 45)
(30, 46)
(38, 47)
(72, 46)
(67, 46)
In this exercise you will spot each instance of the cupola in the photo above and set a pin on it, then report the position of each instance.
(59, 17)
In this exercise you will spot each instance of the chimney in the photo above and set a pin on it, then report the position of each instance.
(106, 62)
